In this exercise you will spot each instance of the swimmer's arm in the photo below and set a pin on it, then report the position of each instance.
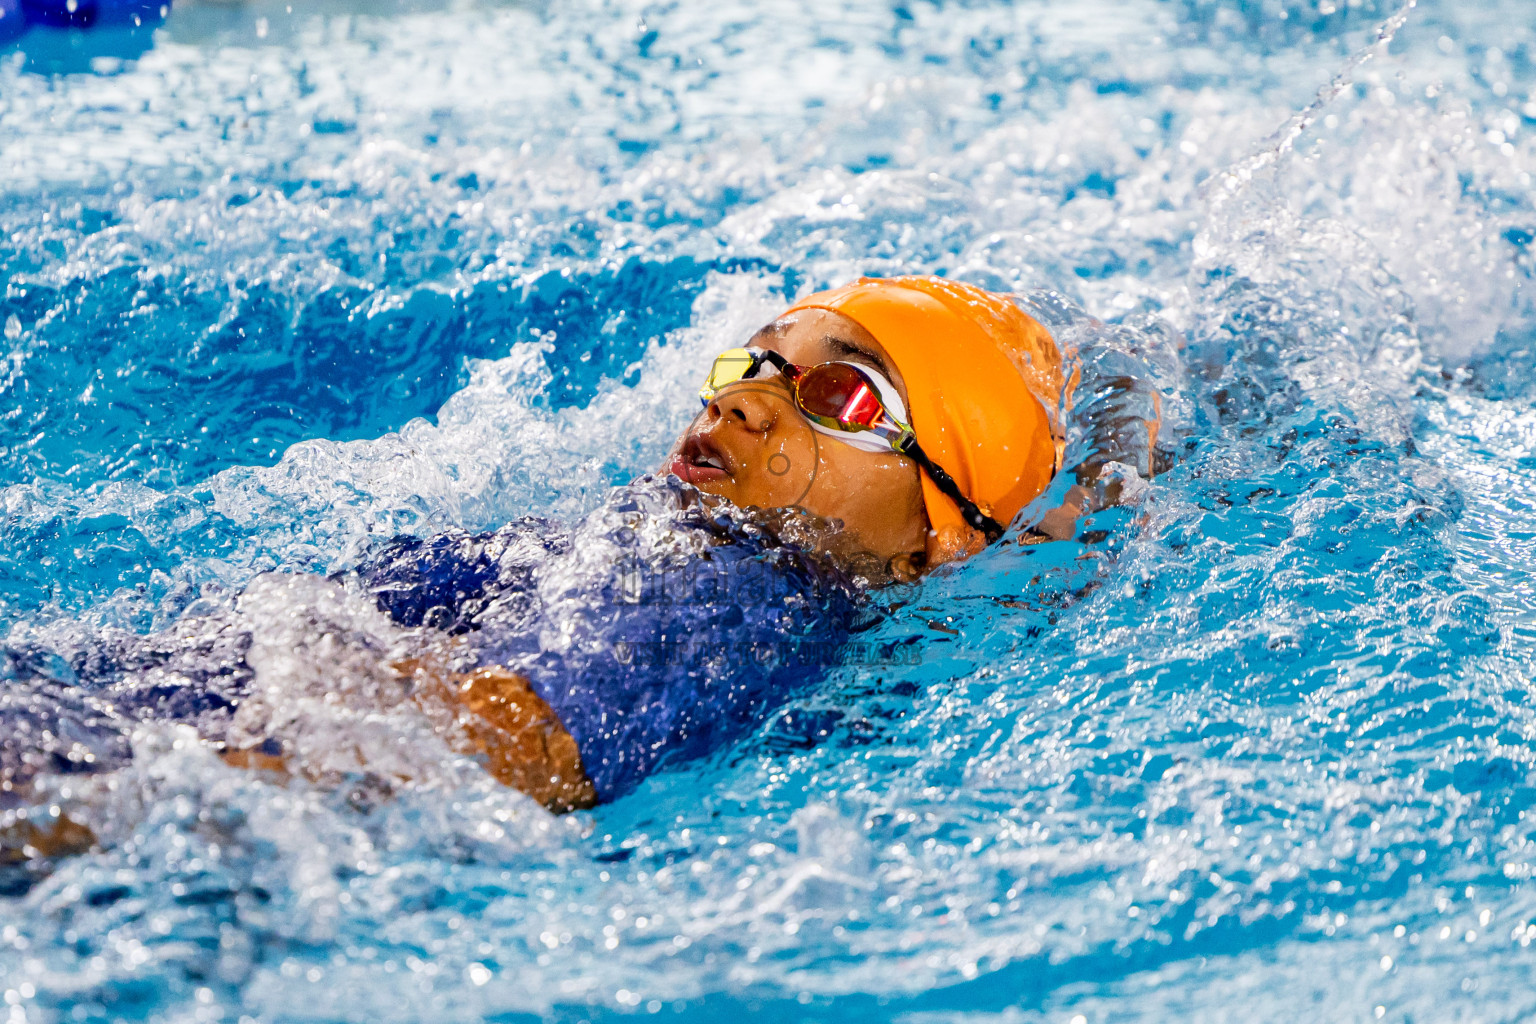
(1129, 439)
(498, 717)
(522, 741)
(1060, 523)
(45, 834)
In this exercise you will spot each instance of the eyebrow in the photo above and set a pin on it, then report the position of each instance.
(840, 347)
(844, 347)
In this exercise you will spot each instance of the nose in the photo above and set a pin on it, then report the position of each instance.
(754, 406)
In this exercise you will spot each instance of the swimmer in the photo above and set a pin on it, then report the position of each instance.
(866, 436)
(919, 414)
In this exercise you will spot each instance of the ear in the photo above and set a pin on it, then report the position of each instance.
(953, 544)
(906, 568)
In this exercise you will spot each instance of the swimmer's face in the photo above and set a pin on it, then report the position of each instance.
(753, 447)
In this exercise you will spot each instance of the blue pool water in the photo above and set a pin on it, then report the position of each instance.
(280, 281)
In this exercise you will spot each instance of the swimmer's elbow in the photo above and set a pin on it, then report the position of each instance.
(522, 742)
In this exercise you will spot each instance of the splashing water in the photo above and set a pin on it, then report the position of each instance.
(283, 281)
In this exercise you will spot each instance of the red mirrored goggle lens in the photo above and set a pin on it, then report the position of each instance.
(839, 395)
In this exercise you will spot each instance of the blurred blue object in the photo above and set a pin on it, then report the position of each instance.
(70, 34)
(12, 20)
(18, 15)
(62, 13)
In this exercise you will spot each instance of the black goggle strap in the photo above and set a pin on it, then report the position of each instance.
(979, 520)
(766, 355)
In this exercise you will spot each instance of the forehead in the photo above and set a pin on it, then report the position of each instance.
(810, 336)
(818, 335)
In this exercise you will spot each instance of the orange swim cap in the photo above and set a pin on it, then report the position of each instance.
(984, 382)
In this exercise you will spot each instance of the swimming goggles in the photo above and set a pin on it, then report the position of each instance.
(851, 403)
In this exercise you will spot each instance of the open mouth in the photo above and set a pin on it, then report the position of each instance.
(699, 461)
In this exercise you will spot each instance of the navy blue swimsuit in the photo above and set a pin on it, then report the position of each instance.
(650, 652)
(648, 660)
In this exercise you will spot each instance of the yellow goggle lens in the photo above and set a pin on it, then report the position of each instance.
(730, 366)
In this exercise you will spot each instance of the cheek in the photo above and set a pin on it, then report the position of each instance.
(863, 488)
(784, 471)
